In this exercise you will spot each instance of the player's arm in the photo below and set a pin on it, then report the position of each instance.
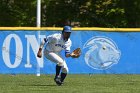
(67, 49)
(67, 53)
(75, 54)
(39, 54)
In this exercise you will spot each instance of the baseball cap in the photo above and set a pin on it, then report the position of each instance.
(66, 29)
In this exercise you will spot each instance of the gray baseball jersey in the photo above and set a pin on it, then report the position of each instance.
(56, 43)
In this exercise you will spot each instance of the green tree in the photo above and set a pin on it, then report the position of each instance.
(100, 13)
(132, 12)
(18, 13)
(90, 13)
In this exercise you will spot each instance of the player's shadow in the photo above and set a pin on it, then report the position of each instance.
(41, 85)
(46, 85)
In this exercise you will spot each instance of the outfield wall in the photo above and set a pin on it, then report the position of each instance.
(104, 50)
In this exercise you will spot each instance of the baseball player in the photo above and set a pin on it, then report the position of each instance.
(53, 45)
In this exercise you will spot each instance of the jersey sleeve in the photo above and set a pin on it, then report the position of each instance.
(67, 47)
(49, 39)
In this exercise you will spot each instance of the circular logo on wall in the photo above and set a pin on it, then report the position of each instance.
(102, 53)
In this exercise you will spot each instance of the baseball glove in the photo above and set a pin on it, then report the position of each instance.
(76, 53)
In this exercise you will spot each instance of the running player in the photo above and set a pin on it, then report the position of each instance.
(53, 45)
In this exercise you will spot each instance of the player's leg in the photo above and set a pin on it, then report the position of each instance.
(58, 68)
(54, 57)
(64, 72)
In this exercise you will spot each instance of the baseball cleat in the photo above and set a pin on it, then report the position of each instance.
(58, 81)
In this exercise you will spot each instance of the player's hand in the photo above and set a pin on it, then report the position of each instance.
(39, 54)
(76, 53)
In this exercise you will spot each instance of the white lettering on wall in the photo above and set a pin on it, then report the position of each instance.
(6, 53)
(33, 42)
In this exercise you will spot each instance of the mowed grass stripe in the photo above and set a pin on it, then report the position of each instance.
(73, 84)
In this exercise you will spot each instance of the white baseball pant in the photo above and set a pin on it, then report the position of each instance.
(56, 58)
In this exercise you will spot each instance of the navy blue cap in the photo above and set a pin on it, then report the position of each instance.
(66, 29)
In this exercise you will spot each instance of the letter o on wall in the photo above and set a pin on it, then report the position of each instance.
(6, 52)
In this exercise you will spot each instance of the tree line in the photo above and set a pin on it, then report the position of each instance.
(82, 13)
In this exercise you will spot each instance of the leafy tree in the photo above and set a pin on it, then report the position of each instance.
(90, 13)
(132, 12)
(18, 13)
(100, 13)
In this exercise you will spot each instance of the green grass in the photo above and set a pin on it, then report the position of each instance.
(73, 84)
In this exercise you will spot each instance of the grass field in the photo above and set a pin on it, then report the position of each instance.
(73, 84)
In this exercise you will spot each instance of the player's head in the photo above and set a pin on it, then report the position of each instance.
(66, 32)
(67, 29)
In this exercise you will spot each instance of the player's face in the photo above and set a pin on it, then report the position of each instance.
(66, 35)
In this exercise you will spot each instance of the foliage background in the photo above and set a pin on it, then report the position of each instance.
(83, 13)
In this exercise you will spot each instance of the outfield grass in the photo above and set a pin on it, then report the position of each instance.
(73, 84)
